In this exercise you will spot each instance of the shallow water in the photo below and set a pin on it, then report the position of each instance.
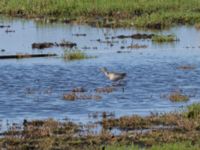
(33, 88)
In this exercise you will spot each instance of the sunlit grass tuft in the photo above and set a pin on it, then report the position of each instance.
(75, 55)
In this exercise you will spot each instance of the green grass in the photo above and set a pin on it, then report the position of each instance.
(75, 55)
(169, 146)
(140, 13)
(176, 146)
(193, 111)
(164, 38)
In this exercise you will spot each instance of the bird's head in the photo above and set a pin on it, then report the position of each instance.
(104, 69)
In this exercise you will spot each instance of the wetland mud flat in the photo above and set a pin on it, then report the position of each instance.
(148, 110)
(166, 131)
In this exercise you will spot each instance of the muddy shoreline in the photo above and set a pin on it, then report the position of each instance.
(96, 21)
(145, 132)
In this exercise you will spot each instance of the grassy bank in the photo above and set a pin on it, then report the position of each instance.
(171, 131)
(175, 146)
(140, 13)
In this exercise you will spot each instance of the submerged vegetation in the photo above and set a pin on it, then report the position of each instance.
(178, 97)
(186, 67)
(165, 131)
(155, 14)
(164, 38)
(43, 45)
(197, 26)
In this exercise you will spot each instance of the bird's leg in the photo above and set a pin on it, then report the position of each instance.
(114, 84)
(122, 83)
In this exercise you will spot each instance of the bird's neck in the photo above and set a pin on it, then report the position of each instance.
(106, 73)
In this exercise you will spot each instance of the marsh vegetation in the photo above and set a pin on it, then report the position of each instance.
(164, 131)
(42, 88)
(73, 54)
(157, 14)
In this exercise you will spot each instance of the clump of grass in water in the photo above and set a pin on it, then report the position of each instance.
(75, 55)
(164, 38)
(178, 97)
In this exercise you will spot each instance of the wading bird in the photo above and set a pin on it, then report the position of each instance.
(113, 76)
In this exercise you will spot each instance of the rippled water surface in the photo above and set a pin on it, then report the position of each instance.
(33, 88)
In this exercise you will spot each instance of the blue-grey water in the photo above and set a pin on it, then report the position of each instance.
(33, 88)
